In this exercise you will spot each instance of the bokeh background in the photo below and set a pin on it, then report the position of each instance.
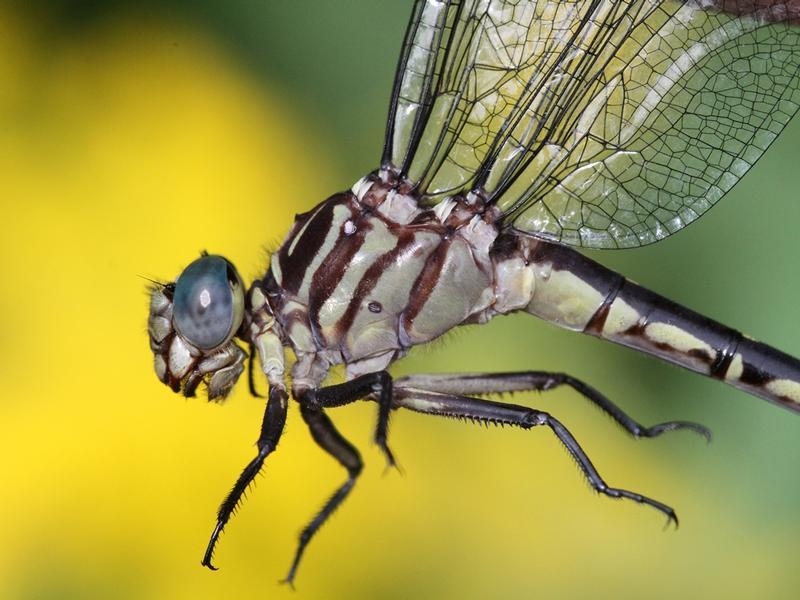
(135, 134)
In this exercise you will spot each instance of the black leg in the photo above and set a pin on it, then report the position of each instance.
(271, 429)
(452, 405)
(345, 393)
(330, 440)
(493, 383)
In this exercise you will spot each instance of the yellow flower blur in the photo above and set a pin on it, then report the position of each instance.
(127, 149)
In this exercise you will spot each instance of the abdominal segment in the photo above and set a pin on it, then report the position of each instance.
(560, 285)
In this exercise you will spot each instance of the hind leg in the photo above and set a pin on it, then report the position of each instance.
(498, 383)
(486, 411)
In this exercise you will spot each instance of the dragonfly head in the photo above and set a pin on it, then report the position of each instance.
(192, 325)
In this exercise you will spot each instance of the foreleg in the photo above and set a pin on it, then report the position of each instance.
(271, 430)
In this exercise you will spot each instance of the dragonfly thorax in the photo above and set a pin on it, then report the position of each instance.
(368, 273)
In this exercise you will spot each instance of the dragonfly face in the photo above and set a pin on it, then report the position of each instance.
(517, 131)
(192, 324)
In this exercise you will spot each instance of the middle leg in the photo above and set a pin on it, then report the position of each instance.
(329, 439)
(378, 384)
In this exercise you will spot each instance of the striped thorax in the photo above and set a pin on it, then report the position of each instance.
(367, 274)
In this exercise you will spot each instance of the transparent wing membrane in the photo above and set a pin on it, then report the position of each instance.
(601, 123)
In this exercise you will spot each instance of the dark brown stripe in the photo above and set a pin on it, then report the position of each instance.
(294, 266)
(598, 321)
(424, 284)
(371, 278)
(331, 271)
(639, 331)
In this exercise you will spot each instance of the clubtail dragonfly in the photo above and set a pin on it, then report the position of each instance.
(517, 132)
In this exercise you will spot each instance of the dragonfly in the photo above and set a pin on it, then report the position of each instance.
(519, 131)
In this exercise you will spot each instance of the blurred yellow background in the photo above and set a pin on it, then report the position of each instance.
(134, 135)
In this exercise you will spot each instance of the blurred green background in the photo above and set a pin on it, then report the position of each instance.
(133, 135)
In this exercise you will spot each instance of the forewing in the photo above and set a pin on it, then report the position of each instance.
(600, 124)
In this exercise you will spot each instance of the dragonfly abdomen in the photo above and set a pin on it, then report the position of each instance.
(577, 293)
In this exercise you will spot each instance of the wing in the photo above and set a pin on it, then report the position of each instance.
(595, 123)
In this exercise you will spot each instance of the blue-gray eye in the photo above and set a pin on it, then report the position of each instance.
(209, 302)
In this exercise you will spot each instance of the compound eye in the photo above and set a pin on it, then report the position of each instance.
(208, 304)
